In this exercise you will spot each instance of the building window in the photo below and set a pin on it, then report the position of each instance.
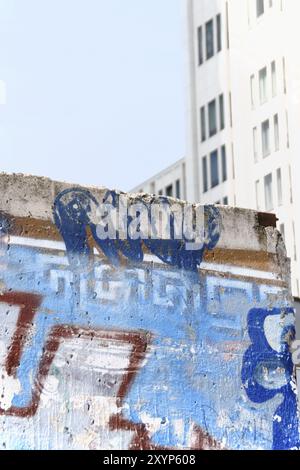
(203, 124)
(282, 231)
(204, 174)
(291, 186)
(255, 145)
(212, 118)
(224, 163)
(294, 239)
(209, 33)
(169, 190)
(152, 187)
(227, 26)
(287, 130)
(221, 109)
(274, 79)
(200, 46)
(268, 192)
(183, 170)
(252, 88)
(260, 7)
(230, 108)
(279, 186)
(160, 192)
(265, 138)
(214, 170)
(232, 162)
(248, 14)
(276, 132)
(219, 33)
(225, 201)
(177, 184)
(284, 75)
(257, 194)
(263, 85)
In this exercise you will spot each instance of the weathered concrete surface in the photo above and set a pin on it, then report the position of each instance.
(142, 344)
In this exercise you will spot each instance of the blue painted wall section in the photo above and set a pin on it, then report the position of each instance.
(217, 357)
(267, 372)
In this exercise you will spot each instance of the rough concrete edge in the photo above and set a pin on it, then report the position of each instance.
(264, 224)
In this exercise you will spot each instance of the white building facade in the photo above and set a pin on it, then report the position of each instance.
(169, 182)
(243, 108)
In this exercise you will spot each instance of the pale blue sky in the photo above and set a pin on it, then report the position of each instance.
(95, 89)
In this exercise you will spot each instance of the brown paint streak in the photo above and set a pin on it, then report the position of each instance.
(261, 260)
(251, 259)
(203, 441)
(34, 228)
(28, 304)
(266, 219)
(142, 441)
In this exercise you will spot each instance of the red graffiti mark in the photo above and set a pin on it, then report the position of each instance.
(29, 304)
(203, 440)
(200, 440)
(138, 340)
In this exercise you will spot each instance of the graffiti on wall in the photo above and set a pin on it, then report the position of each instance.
(117, 343)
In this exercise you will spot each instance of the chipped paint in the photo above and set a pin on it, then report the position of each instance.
(120, 344)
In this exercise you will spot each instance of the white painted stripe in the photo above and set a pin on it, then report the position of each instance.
(248, 272)
(222, 268)
(152, 258)
(50, 244)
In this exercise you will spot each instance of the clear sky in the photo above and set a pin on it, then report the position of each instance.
(94, 89)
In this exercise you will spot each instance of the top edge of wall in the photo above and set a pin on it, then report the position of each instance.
(33, 196)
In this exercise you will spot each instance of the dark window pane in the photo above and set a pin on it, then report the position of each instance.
(227, 26)
(268, 192)
(209, 33)
(160, 192)
(265, 135)
(225, 201)
(260, 7)
(204, 174)
(200, 46)
(221, 108)
(224, 163)
(169, 190)
(212, 118)
(282, 231)
(178, 189)
(203, 124)
(219, 33)
(214, 170)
